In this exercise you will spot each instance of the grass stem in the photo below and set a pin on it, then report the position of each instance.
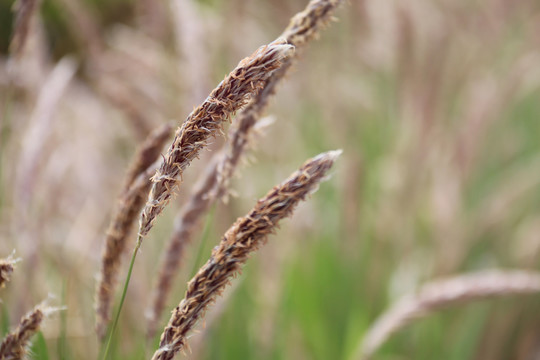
(123, 298)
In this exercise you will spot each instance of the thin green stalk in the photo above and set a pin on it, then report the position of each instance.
(204, 238)
(62, 343)
(124, 292)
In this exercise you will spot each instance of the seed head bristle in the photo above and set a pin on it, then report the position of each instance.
(7, 266)
(305, 26)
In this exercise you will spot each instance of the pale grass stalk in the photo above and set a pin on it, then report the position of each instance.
(33, 150)
(214, 182)
(119, 96)
(24, 10)
(245, 236)
(132, 198)
(85, 28)
(189, 36)
(153, 18)
(40, 126)
(206, 121)
(441, 294)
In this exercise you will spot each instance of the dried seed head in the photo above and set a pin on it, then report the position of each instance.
(15, 343)
(206, 121)
(305, 25)
(245, 236)
(440, 294)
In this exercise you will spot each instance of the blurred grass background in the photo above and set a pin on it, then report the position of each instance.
(435, 104)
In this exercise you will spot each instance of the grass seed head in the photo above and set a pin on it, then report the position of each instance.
(206, 121)
(14, 346)
(245, 236)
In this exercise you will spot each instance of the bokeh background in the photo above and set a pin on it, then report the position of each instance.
(434, 103)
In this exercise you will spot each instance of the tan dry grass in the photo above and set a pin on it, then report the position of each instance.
(302, 28)
(440, 294)
(245, 236)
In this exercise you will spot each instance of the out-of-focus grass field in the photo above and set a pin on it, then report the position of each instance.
(434, 103)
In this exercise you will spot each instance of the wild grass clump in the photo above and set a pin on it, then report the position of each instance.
(214, 181)
(205, 121)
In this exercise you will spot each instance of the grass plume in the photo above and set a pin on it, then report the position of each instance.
(245, 236)
(441, 294)
(15, 344)
(132, 198)
(205, 121)
(303, 28)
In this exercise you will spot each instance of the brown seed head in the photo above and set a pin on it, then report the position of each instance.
(306, 25)
(15, 343)
(206, 121)
(245, 236)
